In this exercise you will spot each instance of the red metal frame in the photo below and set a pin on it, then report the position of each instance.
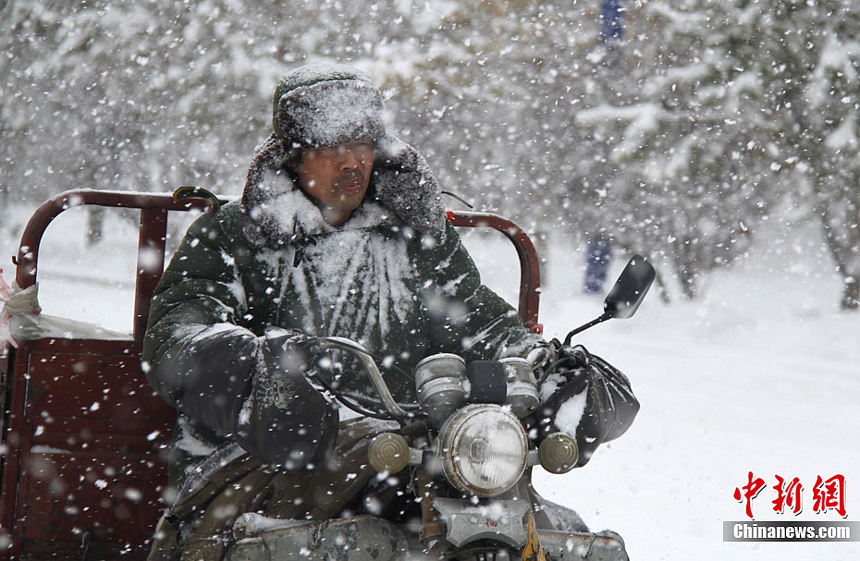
(529, 300)
(153, 234)
(153, 230)
(84, 434)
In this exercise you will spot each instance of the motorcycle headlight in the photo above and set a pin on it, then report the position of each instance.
(483, 449)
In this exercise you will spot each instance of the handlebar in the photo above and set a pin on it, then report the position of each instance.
(536, 358)
(370, 367)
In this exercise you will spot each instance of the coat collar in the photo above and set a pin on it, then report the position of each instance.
(403, 192)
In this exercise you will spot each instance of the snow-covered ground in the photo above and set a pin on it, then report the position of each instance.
(761, 374)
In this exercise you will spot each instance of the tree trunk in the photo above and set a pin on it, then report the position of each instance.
(842, 233)
(851, 294)
(95, 225)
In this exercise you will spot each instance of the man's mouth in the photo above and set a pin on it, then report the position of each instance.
(350, 184)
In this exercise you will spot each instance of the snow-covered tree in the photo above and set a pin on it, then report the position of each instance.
(747, 111)
(716, 115)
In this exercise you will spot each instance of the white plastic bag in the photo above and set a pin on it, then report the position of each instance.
(21, 319)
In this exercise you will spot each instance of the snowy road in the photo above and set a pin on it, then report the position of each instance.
(761, 375)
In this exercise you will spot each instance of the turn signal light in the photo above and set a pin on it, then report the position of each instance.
(558, 453)
(388, 452)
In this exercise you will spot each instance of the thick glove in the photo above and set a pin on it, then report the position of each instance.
(565, 368)
(286, 420)
(253, 389)
(585, 396)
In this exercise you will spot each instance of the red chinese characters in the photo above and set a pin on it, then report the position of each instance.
(827, 494)
(749, 491)
(788, 495)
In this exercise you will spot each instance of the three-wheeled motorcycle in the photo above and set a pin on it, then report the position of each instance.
(84, 437)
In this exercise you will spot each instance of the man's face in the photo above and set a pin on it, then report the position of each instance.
(337, 178)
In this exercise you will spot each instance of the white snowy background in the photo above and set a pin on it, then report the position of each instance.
(761, 374)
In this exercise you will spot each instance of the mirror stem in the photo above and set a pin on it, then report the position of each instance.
(582, 328)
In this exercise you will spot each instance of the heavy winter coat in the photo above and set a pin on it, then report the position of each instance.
(271, 263)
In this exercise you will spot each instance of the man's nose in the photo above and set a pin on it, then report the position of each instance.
(348, 159)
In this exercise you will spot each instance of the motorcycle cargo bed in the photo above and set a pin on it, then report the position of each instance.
(85, 445)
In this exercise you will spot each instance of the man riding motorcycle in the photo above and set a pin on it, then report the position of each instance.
(340, 231)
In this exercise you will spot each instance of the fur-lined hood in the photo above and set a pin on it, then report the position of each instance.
(402, 191)
(328, 105)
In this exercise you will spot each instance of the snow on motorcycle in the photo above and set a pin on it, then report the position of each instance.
(466, 451)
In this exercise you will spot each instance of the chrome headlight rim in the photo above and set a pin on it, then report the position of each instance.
(460, 426)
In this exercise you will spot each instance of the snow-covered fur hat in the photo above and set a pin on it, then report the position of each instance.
(318, 106)
(309, 107)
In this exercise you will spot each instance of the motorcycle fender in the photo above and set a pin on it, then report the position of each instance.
(501, 520)
(583, 546)
(363, 538)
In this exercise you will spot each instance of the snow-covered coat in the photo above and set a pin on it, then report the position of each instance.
(268, 268)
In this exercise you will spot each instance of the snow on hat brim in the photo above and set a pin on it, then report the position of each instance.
(330, 113)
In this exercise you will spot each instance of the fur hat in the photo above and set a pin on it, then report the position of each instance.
(322, 106)
(319, 106)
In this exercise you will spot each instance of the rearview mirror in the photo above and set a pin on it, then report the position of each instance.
(626, 295)
(630, 289)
